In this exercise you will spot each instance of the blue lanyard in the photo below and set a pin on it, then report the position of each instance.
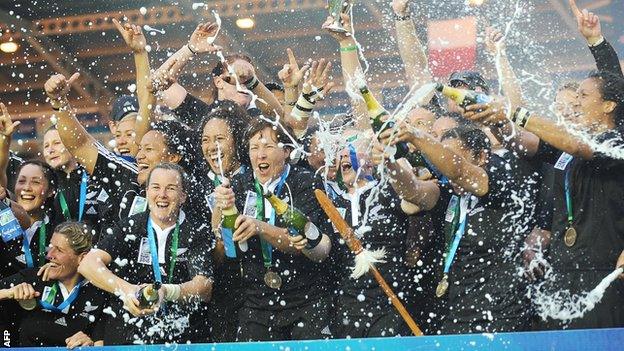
(42, 243)
(267, 248)
(458, 235)
(568, 193)
(83, 194)
(27, 253)
(70, 299)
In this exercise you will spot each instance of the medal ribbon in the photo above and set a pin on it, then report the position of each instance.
(83, 199)
(267, 248)
(154, 251)
(463, 215)
(42, 247)
(48, 302)
(568, 194)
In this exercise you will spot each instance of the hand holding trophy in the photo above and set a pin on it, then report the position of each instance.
(337, 7)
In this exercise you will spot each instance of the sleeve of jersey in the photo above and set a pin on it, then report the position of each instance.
(111, 172)
(191, 110)
(201, 252)
(28, 275)
(305, 200)
(116, 243)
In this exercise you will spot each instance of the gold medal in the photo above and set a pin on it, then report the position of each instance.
(272, 280)
(570, 237)
(442, 287)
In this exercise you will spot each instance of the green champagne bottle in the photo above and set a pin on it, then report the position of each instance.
(463, 97)
(376, 113)
(227, 231)
(295, 219)
(148, 295)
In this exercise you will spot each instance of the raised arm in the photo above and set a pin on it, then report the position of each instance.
(412, 51)
(7, 127)
(589, 25)
(460, 171)
(73, 135)
(317, 85)
(351, 68)
(134, 38)
(173, 94)
(546, 129)
(267, 102)
(423, 194)
(512, 87)
(291, 76)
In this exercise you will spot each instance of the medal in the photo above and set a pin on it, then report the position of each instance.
(272, 280)
(442, 287)
(570, 237)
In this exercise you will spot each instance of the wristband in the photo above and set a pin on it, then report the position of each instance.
(172, 292)
(191, 50)
(402, 18)
(521, 116)
(600, 41)
(349, 48)
(252, 83)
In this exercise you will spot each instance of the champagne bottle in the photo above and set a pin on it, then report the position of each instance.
(376, 113)
(148, 295)
(463, 97)
(295, 219)
(227, 231)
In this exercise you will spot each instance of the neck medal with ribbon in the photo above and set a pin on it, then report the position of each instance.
(271, 278)
(83, 198)
(47, 301)
(154, 251)
(460, 206)
(570, 234)
(30, 263)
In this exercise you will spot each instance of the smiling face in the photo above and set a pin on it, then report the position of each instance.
(63, 260)
(165, 195)
(267, 156)
(32, 188)
(218, 137)
(593, 110)
(125, 140)
(152, 151)
(54, 152)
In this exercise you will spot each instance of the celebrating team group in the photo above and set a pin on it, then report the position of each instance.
(203, 223)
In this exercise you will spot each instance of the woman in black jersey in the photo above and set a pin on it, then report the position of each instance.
(222, 132)
(65, 310)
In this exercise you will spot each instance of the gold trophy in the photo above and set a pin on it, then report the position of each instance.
(336, 7)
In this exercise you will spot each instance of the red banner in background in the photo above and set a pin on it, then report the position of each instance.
(452, 45)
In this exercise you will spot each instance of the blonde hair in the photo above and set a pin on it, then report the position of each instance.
(78, 235)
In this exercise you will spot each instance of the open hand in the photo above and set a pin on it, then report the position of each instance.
(202, 38)
(493, 113)
(132, 34)
(318, 78)
(78, 340)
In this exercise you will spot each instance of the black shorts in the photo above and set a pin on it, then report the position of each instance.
(306, 322)
(365, 319)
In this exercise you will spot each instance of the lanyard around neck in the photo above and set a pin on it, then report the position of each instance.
(154, 251)
(267, 248)
(42, 247)
(83, 199)
(568, 193)
(48, 302)
(463, 218)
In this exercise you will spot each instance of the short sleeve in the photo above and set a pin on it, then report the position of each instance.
(113, 173)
